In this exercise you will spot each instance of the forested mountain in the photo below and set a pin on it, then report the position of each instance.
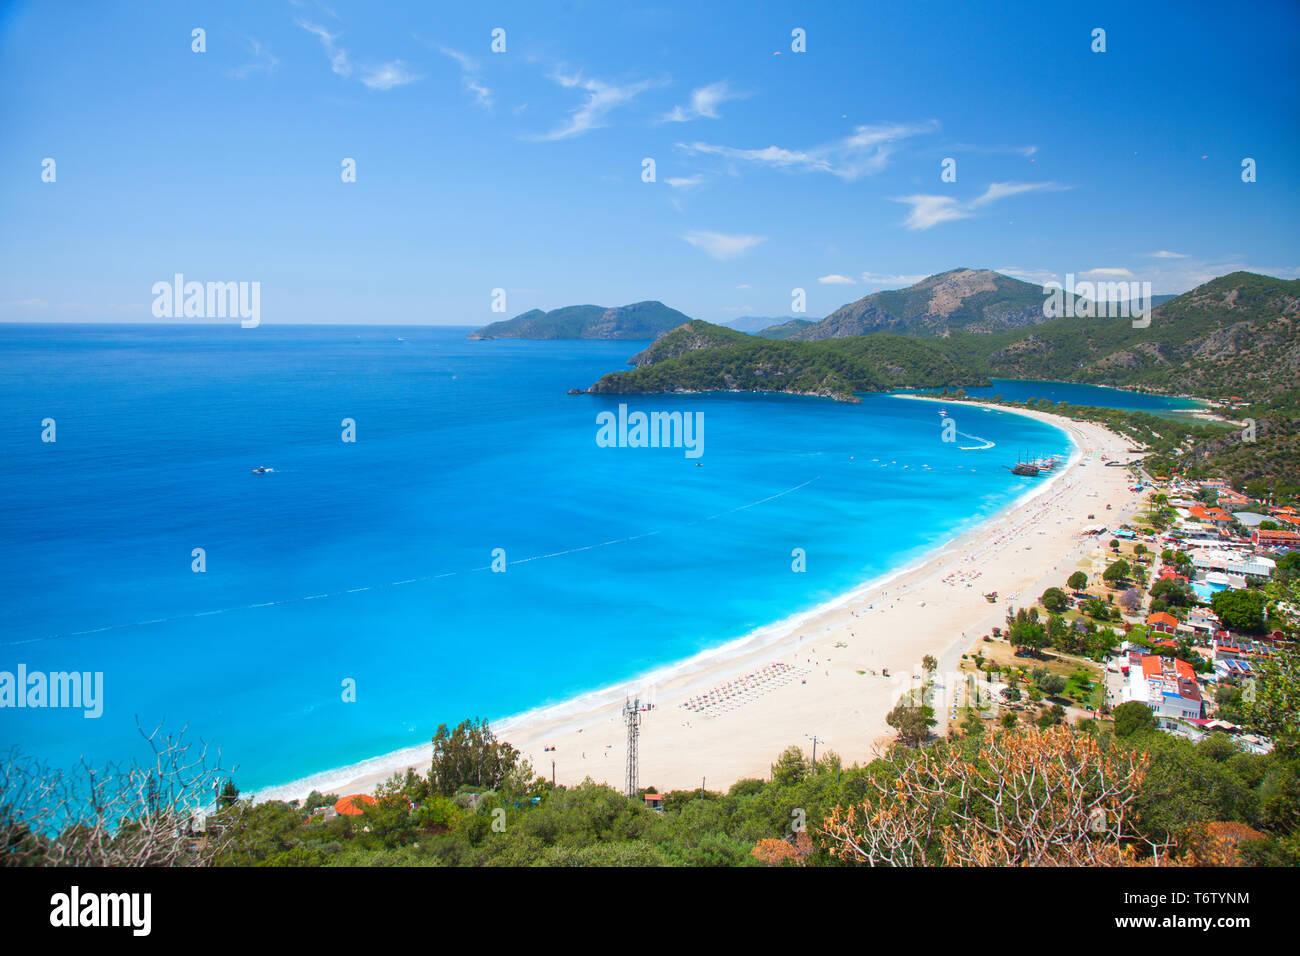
(641, 320)
(786, 330)
(1232, 336)
(682, 362)
(973, 300)
(696, 334)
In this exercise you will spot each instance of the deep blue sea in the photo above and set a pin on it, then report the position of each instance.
(370, 560)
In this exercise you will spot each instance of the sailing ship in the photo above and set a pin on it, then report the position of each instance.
(1026, 468)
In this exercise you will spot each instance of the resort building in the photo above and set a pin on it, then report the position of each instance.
(1251, 519)
(1167, 686)
(1213, 516)
(1231, 499)
(1232, 562)
(1282, 540)
(1163, 622)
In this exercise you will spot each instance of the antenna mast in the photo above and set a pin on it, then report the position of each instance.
(632, 717)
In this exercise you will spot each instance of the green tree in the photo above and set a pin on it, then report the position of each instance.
(1173, 593)
(1133, 717)
(1275, 709)
(1116, 572)
(1024, 632)
(1240, 610)
(1052, 684)
(470, 755)
(1054, 599)
(1077, 581)
(791, 767)
(912, 721)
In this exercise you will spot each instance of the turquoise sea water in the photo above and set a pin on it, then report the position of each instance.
(1020, 391)
(369, 560)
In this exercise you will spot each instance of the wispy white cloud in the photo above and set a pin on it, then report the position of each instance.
(836, 279)
(263, 62)
(874, 278)
(929, 211)
(339, 62)
(1036, 276)
(704, 103)
(1166, 254)
(388, 75)
(862, 153)
(684, 182)
(722, 246)
(601, 98)
(384, 76)
(1125, 273)
(470, 77)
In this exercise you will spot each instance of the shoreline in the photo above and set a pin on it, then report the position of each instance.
(760, 714)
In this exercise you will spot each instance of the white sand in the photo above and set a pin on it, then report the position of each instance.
(1019, 553)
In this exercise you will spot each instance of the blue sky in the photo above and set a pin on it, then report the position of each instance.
(522, 169)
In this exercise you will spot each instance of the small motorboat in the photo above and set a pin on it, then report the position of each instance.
(262, 470)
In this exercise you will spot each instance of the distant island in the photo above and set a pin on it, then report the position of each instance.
(640, 320)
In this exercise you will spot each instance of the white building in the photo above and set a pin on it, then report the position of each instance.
(1232, 562)
(1167, 686)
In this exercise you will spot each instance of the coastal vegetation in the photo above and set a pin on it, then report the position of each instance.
(835, 368)
(981, 796)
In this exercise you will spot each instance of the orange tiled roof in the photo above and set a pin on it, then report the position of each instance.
(348, 806)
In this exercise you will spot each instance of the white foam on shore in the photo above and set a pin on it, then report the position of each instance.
(612, 696)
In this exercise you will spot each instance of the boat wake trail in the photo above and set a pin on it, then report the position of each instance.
(987, 444)
(405, 581)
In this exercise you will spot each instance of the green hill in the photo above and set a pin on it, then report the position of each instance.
(641, 320)
(1234, 335)
(785, 330)
(693, 335)
(832, 369)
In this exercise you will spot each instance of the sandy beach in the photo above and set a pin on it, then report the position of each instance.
(727, 714)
